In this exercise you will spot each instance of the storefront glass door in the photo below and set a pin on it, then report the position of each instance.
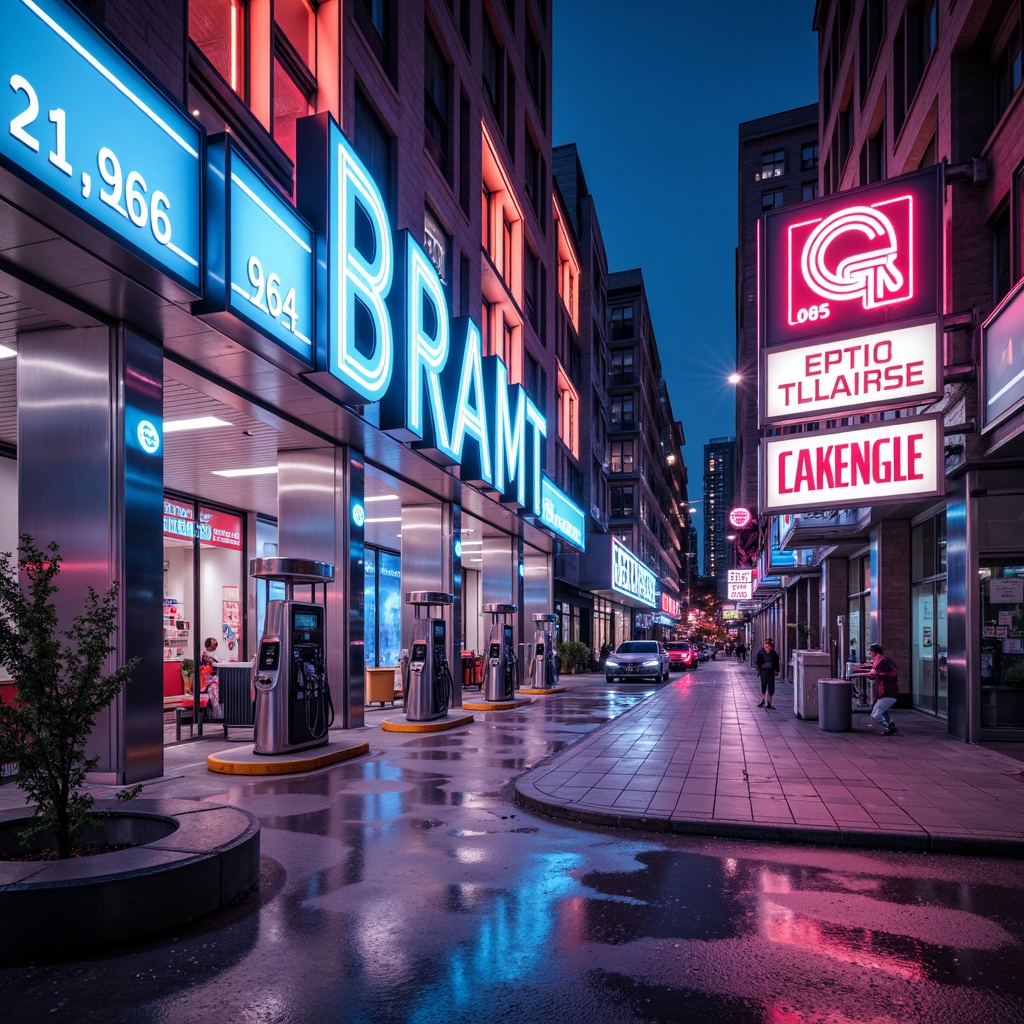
(928, 647)
(1002, 643)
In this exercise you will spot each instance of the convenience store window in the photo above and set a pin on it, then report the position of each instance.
(382, 607)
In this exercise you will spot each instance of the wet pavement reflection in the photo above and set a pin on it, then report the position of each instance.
(407, 886)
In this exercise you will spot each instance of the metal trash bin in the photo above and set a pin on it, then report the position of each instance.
(809, 667)
(835, 705)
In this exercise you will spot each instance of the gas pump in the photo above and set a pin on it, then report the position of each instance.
(544, 664)
(426, 677)
(294, 709)
(501, 653)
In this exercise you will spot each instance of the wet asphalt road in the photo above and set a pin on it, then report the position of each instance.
(407, 887)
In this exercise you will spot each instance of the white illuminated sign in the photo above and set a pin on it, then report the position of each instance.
(740, 575)
(897, 460)
(631, 577)
(740, 592)
(870, 372)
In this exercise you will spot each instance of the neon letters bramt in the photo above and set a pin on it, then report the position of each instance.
(385, 335)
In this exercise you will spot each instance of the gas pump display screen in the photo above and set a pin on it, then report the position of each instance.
(495, 651)
(419, 653)
(439, 630)
(270, 652)
(540, 649)
(306, 621)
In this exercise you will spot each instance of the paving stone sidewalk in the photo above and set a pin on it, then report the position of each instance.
(700, 757)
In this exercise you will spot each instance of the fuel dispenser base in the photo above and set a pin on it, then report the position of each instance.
(294, 710)
(450, 721)
(543, 670)
(248, 762)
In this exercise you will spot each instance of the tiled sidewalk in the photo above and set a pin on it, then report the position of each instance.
(700, 757)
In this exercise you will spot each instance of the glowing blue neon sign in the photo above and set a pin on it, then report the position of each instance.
(385, 334)
(561, 515)
(79, 120)
(259, 275)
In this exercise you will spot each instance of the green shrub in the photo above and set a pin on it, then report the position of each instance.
(573, 656)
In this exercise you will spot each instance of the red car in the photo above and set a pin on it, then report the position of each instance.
(681, 654)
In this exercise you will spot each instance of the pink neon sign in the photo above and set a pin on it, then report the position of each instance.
(853, 261)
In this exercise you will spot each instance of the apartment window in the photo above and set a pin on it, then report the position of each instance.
(1007, 73)
(621, 456)
(294, 91)
(436, 101)
(623, 503)
(532, 169)
(376, 21)
(929, 31)
(872, 32)
(621, 370)
(875, 164)
(373, 145)
(535, 70)
(436, 244)
(622, 322)
(218, 28)
(294, 18)
(808, 190)
(465, 177)
(530, 284)
(622, 412)
(809, 156)
(844, 130)
(773, 165)
(568, 414)
(899, 83)
(1001, 255)
(771, 200)
(494, 72)
(507, 251)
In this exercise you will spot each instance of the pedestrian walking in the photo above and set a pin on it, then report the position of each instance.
(767, 662)
(887, 688)
(741, 652)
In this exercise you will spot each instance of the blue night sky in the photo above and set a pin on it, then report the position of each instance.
(653, 92)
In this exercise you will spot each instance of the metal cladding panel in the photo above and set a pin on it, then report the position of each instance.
(90, 473)
(426, 562)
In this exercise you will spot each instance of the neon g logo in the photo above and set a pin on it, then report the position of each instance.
(860, 253)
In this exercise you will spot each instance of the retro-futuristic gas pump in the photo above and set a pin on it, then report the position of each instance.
(294, 710)
(501, 653)
(544, 664)
(426, 676)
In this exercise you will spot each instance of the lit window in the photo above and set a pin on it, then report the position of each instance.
(773, 165)
(217, 27)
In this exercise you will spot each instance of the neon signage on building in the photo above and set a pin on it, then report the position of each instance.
(897, 460)
(385, 335)
(853, 261)
(631, 577)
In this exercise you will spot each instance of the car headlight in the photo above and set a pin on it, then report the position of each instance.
(655, 663)
(611, 663)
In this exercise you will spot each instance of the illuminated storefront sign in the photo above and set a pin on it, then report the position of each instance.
(669, 605)
(740, 584)
(562, 516)
(869, 372)
(740, 517)
(385, 335)
(259, 274)
(631, 577)
(867, 465)
(79, 120)
(216, 529)
(1002, 368)
(854, 261)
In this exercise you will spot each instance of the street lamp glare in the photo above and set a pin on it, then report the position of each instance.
(734, 378)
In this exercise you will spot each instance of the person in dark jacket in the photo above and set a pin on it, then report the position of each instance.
(887, 688)
(767, 662)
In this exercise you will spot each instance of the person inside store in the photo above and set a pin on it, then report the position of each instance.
(887, 688)
(208, 682)
(767, 662)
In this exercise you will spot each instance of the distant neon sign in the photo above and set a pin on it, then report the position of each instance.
(739, 517)
(853, 261)
(631, 577)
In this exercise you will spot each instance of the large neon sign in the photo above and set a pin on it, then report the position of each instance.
(80, 121)
(631, 577)
(385, 334)
(853, 261)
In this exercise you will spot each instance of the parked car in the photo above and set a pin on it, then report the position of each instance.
(681, 654)
(637, 659)
(703, 652)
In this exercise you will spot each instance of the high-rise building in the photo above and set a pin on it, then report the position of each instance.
(719, 490)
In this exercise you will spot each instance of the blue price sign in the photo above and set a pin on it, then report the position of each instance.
(79, 119)
(260, 260)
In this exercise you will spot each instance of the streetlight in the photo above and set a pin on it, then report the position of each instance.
(735, 378)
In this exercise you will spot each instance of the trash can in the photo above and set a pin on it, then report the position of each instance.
(835, 705)
(808, 668)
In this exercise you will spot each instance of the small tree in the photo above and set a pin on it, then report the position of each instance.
(60, 689)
